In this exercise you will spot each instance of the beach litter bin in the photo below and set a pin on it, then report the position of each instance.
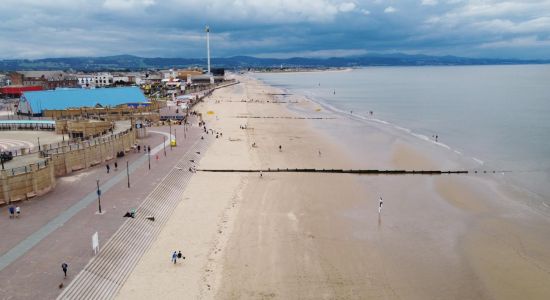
(173, 143)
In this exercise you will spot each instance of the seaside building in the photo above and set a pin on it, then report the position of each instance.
(103, 79)
(35, 103)
(15, 91)
(121, 79)
(185, 74)
(85, 80)
(48, 80)
(4, 80)
(169, 74)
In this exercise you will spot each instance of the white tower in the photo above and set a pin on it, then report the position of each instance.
(208, 47)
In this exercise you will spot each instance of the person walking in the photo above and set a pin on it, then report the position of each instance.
(108, 168)
(174, 257)
(280, 148)
(116, 166)
(64, 267)
(17, 211)
(149, 149)
(11, 210)
(380, 203)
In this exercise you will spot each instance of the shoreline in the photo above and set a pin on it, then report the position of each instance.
(457, 159)
(316, 236)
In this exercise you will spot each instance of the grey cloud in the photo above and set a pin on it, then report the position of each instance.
(32, 29)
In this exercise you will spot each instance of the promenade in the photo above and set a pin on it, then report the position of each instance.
(58, 227)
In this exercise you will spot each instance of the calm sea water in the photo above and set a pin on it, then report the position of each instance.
(498, 116)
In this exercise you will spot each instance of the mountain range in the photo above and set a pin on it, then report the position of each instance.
(134, 63)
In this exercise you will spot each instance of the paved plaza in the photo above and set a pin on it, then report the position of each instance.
(58, 226)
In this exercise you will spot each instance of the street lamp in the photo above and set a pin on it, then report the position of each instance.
(128, 173)
(98, 195)
(149, 157)
(170, 125)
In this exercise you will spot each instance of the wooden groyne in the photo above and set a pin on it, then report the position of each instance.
(341, 171)
(288, 118)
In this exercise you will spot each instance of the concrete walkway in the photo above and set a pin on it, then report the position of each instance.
(106, 273)
(57, 227)
(33, 239)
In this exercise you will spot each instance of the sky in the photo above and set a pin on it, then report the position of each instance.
(274, 28)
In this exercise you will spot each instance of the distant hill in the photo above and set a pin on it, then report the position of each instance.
(132, 63)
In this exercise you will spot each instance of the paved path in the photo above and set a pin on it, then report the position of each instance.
(36, 262)
(105, 274)
(64, 216)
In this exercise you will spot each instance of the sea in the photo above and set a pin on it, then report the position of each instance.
(497, 116)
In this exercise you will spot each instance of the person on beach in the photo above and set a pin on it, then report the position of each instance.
(380, 203)
(64, 267)
(139, 148)
(280, 148)
(319, 152)
(436, 137)
(174, 257)
(108, 168)
(11, 210)
(17, 211)
(116, 166)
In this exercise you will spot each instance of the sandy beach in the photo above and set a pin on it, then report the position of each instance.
(320, 236)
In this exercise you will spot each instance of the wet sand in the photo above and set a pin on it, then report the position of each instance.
(319, 236)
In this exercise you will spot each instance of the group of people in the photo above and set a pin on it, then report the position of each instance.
(146, 148)
(176, 256)
(108, 167)
(211, 131)
(14, 211)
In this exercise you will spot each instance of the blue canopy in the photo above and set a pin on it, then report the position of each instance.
(36, 102)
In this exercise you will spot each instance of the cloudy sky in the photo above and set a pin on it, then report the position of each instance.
(275, 28)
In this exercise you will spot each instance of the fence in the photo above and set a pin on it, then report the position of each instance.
(28, 181)
(71, 157)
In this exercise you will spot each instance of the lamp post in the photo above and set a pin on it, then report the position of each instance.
(164, 145)
(149, 157)
(170, 125)
(128, 173)
(98, 195)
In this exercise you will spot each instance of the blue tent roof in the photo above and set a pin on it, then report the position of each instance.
(68, 98)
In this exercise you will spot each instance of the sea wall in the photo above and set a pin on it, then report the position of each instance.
(77, 156)
(26, 182)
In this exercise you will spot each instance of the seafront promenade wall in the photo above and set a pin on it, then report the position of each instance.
(26, 182)
(77, 156)
(36, 179)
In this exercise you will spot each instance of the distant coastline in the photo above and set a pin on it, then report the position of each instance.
(136, 63)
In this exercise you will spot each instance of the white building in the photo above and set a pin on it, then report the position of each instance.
(103, 79)
(169, 74)
(121, 78)
(85, 80)
(4, 80)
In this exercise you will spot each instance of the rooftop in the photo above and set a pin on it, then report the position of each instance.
(76, 98)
